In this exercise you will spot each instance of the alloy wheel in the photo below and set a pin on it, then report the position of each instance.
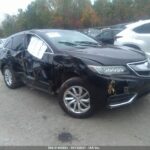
(77, 99)
(8, 77)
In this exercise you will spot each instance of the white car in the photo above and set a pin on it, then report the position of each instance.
(2, 41)
(135, 35)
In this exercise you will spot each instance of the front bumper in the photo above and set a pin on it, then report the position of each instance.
(122, 90)
(127, 90)
(121, 100)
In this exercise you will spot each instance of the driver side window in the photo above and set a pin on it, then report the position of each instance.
(36, 47)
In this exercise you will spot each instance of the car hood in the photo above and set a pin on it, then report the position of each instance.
(108, 55)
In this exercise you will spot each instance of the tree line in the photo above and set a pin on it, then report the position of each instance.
(74, 14)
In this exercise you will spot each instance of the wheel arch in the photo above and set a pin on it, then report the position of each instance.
(5, 64)
(2, 67)
(63, 78)
(68, 75)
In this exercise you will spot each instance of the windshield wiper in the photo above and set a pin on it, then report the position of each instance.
(67, 43)
(88, 43)
(80, 44)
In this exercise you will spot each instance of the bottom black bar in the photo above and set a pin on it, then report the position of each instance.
(75, 148)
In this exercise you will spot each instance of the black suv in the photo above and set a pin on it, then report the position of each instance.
(79, 69)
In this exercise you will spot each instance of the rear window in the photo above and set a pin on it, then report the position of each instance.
(143, 29)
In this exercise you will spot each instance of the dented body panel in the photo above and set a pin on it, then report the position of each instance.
(56, 66)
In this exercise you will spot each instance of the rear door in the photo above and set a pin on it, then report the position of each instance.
(16, 52)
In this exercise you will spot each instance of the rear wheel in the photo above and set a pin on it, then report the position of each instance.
(10, 78)
(76, 98)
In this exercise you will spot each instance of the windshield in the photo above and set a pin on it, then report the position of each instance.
(65, 39)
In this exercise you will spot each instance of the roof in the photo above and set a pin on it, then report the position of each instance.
(138, 23)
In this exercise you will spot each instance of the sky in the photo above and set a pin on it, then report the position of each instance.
(11, 6)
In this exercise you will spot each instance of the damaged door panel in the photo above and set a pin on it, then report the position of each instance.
(84, 73)
(38, 62)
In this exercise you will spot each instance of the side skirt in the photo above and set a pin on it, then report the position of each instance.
(39, 85)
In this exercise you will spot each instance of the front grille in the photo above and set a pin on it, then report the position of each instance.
(144, 73)
(140, 68)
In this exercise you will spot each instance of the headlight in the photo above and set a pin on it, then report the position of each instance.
(109, 70)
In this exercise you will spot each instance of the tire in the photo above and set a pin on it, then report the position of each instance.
(76, 85)
(10, 78)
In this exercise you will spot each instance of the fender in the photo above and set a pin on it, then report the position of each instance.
(66, 66)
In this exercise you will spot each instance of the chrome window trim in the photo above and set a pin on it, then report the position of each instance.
(134, 63)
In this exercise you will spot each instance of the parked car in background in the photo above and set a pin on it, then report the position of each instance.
(84, 73)
(107, 36)
(119, 26)
(135, 35)
(92, 32)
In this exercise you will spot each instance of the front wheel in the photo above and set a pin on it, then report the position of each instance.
(76, 98)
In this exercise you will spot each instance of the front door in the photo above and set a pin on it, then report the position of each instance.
(38, 61)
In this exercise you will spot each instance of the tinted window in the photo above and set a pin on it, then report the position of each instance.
(8, 43)
(143, 29)
(106, 35)
(18, 42)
